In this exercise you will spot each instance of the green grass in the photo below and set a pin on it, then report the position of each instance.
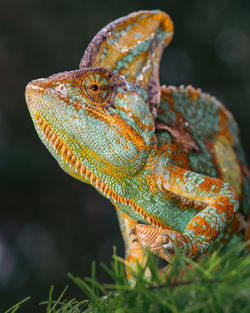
(219, 283)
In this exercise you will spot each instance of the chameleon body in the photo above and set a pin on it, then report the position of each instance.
(168, 158)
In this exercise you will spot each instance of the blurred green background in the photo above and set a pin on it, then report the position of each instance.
(51, 224)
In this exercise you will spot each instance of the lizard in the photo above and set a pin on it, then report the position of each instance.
(168, 158)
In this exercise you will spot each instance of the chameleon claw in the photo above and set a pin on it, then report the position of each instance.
(162, 239)
(133, 235)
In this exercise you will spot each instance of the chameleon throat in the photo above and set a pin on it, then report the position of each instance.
(70, 159)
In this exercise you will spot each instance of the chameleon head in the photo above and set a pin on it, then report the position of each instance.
(96, 121)
(89, 122)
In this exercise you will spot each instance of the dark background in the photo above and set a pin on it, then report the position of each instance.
(51, 224)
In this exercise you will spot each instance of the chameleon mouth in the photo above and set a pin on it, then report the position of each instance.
(80, 170)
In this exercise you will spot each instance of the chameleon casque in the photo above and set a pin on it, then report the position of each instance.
(168, 158)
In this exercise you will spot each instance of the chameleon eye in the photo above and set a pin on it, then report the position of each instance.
(97, 88)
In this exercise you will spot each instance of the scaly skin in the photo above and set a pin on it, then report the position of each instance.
(167, 157)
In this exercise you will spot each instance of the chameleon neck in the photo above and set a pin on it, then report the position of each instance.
(133, 193)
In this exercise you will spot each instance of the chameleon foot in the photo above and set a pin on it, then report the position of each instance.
(159, 241)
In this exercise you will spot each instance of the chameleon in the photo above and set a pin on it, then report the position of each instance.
(168, 158)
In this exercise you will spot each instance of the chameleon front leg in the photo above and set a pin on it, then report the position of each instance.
(203, 229)
(134, 252)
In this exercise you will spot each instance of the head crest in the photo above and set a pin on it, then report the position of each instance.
(132, 46)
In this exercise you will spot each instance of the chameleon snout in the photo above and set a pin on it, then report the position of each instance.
(38, 85)
(33, 90)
